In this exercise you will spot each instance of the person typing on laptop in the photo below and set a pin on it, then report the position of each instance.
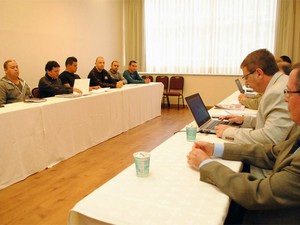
(272, 123)
(271, 200)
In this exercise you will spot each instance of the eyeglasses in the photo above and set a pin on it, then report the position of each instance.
(287, 92)
(245, 77)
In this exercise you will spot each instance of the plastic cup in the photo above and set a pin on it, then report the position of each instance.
(191, 132)
(142, 163)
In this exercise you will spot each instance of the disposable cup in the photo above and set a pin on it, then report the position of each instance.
(142, 163)
(191, 132)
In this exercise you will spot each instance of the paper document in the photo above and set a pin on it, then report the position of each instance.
(35, 100)
(100, 90)
(230, 106)
(248, 112)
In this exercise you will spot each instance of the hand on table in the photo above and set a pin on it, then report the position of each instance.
(200, 152)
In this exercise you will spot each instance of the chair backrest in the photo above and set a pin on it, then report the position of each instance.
(35, 92)
(148, 76)
(151, 78)
(164, 80)
(176, 83)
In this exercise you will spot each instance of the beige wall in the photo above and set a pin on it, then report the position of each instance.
(36, 31)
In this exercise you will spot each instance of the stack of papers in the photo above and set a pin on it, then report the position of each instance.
(100, 90)
(230, 106)
(72, 95)
(30, 100)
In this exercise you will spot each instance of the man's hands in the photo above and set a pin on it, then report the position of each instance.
(119, 84)
(231, 118)
(200, 152)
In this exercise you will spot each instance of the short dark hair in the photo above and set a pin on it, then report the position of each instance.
(131, 61)
(70, 60)
(6, 63)
(286, 69)
(285, 58)
(115, 61)
(262, 59)
(50, 65)
(297, 68)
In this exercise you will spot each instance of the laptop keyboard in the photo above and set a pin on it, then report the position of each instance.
(214, 123)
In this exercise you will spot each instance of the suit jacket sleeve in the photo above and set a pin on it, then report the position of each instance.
(279, 190)
(272, 123)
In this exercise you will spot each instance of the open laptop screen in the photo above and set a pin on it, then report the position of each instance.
(239, 85)
(198, 109)
(83, 85)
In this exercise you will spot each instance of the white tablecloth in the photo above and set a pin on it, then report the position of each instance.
(34, 136)
(171, 194)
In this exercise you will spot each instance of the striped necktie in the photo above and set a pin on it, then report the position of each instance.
(296, 145)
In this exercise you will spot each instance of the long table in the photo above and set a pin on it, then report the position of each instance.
(171, 194)
(35, 136)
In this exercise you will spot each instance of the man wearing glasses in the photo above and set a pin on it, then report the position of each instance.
(272, 123)
(271, 200)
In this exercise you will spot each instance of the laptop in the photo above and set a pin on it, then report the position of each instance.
(83, 85)
(239, 85)
(201, 115)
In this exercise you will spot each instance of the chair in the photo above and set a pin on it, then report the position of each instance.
(176, 88)
(165, 81)
(35, 92)
(148, 76)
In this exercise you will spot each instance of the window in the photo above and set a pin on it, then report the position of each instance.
(206, 36)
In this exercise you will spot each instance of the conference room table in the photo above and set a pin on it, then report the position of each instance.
(171, 194)
(35, 136)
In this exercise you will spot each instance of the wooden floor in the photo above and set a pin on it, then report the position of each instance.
(46, 197)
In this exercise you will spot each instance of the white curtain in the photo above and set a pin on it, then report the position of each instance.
(206, 36)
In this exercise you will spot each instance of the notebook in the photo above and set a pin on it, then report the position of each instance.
(83, 85)
(201, 115)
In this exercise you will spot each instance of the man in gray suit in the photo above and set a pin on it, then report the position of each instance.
(271, 200)
(272, 123)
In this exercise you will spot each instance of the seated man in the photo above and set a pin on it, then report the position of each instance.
(272, 123)
(99, 76)
(68, 76)
(115, 74)
(132, 76)
(50, 85)
(251, 102)
(271, 200)
(12, 87)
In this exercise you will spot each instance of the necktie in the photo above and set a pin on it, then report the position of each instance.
(296, 145)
